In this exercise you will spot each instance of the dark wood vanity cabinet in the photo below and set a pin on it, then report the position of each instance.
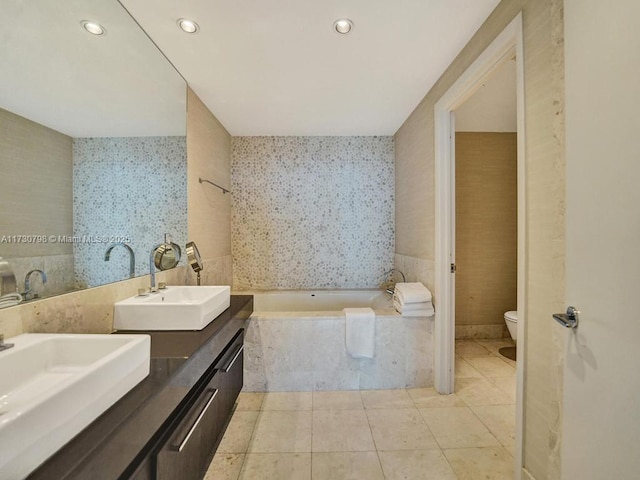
(170, 424)
(189, 444)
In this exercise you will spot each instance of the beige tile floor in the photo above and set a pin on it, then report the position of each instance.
(380, 434)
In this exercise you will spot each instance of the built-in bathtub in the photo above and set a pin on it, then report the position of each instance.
(294, 341)
(320, 301)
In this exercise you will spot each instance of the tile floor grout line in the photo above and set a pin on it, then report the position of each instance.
(311, 440)
(487, 426)
(424, 420)
(373, 439)
(492, 405)
(446, 459)
(253, 430)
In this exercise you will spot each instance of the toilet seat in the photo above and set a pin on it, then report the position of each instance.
(511, 316)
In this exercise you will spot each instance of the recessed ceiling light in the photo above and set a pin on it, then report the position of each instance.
(188, 26)
(93, 27)
(343, 26)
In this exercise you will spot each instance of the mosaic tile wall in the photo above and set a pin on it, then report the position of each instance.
(133, 187)
(312, 212)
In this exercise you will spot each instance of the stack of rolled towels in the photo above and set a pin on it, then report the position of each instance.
(413, 299)
(10, 300)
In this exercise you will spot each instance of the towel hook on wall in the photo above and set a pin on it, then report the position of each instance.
(204, 180)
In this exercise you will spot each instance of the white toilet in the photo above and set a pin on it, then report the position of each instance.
(511, 319)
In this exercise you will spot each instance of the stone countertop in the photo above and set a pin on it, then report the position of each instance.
(129, 428)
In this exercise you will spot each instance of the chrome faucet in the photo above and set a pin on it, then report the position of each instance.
(28, 294)
(152, 267)
(390, 281)
(132, 257)
(4, 346)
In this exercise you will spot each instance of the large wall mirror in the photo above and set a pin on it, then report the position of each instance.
(92, 145)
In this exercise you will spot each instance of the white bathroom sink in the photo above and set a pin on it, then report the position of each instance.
(53, 385)
(174, 308)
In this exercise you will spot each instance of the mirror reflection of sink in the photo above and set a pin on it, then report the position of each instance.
(54, 385)
(175, 308)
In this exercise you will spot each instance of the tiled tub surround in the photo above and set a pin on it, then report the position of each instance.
(312, 212)
(305, 351)
(134, 187)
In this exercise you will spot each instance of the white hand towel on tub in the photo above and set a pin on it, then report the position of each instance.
(360, 332)
(414, 292)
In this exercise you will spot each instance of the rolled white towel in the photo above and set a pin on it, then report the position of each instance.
(10, 300)
(424, 309)
(400, 308)
(360, 332)
(413, 292)
(423, 312)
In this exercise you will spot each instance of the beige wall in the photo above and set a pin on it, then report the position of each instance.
(209, 157)
(544, 149)
(35, 186)
(486, 227)
(91, 310)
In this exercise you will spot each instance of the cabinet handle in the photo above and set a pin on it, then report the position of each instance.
(226, 368)
(184, 442)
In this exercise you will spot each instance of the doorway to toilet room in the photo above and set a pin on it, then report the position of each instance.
(450, 376)
(486, 216)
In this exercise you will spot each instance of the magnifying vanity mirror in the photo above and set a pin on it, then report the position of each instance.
(92, 140)
(167, 255)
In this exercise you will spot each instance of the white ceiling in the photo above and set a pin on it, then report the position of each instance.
(492, 108)
(276, 67)
(54, 73)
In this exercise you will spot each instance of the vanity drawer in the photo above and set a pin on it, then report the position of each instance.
(230, 369)
(187, 451)
(189, 448)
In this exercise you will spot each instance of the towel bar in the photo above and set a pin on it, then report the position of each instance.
(204, 180)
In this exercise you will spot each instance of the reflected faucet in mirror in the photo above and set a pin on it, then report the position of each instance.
(28, 293)
(132, 256)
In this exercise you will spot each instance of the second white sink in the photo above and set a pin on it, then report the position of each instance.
(175, 308)
(54, 385)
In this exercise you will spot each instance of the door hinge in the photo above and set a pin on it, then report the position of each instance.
(453, 268)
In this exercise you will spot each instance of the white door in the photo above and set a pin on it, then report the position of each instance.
(601, 411)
